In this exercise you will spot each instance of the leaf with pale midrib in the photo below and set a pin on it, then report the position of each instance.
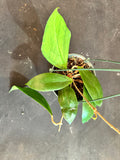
(92, 85)
(56, 40)
(49, 82)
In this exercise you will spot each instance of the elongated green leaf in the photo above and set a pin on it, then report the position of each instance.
(92, 85)
(68, 103)
(87, 112)
(49, 82)
(34, 95)
(56, 39)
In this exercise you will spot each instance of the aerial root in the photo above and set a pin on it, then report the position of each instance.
(57, 124)
(95, 116)
(60, 124)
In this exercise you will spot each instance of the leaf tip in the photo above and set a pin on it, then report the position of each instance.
(70, 122)
(26, 83)
(13, 88)
(57, 8)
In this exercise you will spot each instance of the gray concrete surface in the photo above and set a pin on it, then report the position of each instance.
(26, 132)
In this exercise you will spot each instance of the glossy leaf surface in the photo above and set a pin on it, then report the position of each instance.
(34, 95)
(87, 112)
(68, 103)
(49, 82)
(92, 85)
(56, 40)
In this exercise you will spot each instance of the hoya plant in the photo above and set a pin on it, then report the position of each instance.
(64, 79)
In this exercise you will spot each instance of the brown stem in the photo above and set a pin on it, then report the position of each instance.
(96, 112)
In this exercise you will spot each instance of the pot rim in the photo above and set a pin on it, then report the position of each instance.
(83, 58)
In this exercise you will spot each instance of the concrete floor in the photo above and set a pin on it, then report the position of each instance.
(26, 132)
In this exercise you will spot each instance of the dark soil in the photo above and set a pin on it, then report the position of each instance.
(72, 63)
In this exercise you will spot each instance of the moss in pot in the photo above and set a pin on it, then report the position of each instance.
(77, 82)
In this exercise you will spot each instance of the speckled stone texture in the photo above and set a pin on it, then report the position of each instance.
(26, 132)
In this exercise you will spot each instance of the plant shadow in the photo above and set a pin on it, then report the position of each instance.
(25, 16)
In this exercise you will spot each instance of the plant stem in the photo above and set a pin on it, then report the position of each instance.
(102, 60)
(91, 69)
(112, 96)
(109, 124)
(96, 112)
(94, 109)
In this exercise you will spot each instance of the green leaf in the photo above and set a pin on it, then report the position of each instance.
(56, 40)
(92, 85)
(49, 82)
(68, 103)
(87, 111)
(34, 95)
